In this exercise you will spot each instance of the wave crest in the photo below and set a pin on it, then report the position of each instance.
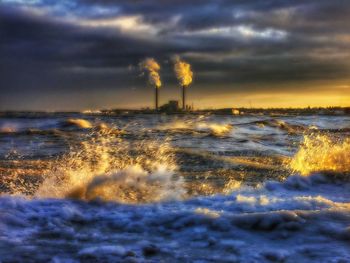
(322, 152)
(132, 185)
(109, 168)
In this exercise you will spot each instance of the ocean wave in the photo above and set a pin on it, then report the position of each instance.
(150, 193)
(294, 128)
(280, 124)
(322, 152)
(198, 126)
(132, 185)
(248, 224)
(77, 123)
(105, 166)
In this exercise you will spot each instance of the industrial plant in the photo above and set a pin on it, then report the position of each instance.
(183, 74)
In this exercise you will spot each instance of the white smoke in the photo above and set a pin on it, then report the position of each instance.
(152, 67)
(183, 72)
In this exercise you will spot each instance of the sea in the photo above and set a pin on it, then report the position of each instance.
(106, 187)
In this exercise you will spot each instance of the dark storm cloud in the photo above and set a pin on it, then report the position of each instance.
(46, 46)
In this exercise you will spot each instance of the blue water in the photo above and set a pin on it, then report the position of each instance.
(168, 188)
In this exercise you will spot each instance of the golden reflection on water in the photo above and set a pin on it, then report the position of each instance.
(322, 152)
(104, 165)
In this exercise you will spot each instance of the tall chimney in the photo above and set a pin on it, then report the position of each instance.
(183, 98)
(156, 98)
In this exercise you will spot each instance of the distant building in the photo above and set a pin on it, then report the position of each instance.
(235, 112)
(171, 106)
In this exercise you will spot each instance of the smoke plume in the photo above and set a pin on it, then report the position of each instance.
(183, 72)
(152, 67)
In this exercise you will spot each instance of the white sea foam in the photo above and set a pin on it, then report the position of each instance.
(198, 125)
(105, 167)
(131, 205)
(278, 221)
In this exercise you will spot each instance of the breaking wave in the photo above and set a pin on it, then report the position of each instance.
(282, 125)
(103, 165)
(211, 128)
(277, 222)
(322, 152)
(78, 123)
(108, 168)
(132, 185)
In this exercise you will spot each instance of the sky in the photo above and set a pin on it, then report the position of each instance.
(84, 54)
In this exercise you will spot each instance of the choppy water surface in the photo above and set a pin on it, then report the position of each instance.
(178, 188)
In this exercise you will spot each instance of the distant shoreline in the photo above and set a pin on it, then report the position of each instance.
(224, 111)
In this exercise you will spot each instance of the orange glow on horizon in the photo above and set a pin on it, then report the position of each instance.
(274, 100)
(310, 96)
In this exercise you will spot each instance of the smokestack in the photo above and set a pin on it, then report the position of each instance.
(184, 75)
(152, 67)
(183, 98)
(156, 98)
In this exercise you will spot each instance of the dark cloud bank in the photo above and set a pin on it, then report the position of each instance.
(84, 53)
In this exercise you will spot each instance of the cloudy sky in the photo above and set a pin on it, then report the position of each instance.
(83, 54)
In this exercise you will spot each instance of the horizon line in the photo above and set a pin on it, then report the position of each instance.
(149, 109)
